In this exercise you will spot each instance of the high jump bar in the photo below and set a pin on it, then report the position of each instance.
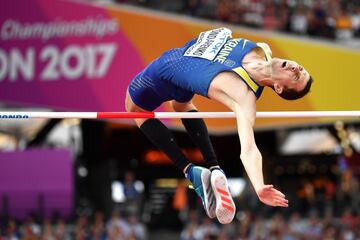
(169, 115)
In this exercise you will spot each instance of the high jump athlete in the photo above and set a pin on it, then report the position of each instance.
(232, 71)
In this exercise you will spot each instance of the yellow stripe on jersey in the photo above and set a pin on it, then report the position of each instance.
(266, 51)
(245, 76)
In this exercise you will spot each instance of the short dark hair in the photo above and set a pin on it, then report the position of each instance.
(291, 94)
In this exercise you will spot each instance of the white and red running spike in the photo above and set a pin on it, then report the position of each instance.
(225, 207)
(208, 194)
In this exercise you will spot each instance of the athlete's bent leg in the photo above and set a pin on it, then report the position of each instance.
(198, 132)
(163, 139)
(159, 135)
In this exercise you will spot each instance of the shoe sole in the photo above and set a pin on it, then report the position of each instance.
(210, 206)
(225, 207)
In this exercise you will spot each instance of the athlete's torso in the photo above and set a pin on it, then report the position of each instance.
(193, 68)
(180, 73)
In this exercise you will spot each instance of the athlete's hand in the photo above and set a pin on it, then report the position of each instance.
(272, 197)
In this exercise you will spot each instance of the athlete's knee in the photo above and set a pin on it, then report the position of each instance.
(129, 104)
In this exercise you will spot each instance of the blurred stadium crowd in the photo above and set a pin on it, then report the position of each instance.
(331, 19)
(319, 209)
(83, 227)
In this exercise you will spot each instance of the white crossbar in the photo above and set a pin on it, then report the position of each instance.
(106, 115)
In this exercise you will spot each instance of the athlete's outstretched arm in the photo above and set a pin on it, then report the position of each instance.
(233, 93)
(252, 159)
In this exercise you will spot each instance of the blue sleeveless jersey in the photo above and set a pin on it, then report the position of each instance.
(174, 76)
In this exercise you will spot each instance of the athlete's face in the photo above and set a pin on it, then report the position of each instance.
(289, 74)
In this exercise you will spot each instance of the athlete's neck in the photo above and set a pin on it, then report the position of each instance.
(257, 67)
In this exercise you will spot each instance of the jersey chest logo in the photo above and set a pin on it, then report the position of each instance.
(209, 44)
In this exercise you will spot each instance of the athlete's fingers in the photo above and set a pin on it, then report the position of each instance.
(282, 200)
(281, 203)
(278, 193)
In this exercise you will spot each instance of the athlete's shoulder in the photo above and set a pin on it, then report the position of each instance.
(265, 47)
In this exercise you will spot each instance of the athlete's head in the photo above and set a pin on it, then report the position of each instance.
(291, 81)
